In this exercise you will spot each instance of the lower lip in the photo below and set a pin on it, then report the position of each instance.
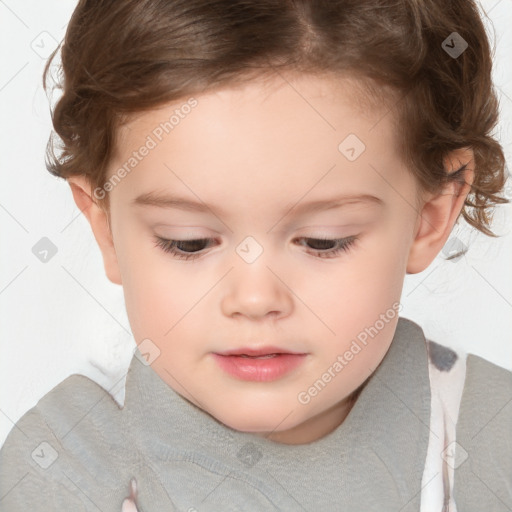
(259, 369)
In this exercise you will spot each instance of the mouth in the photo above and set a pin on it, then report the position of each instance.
(258, 352)
(259, 365)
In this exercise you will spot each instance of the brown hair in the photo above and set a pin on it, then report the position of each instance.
(124, 57)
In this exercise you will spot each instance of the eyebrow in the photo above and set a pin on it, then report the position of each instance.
(168, 201)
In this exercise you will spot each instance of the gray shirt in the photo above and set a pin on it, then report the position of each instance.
(77, 449)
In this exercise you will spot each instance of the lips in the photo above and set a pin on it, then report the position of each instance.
(258, 352)
(258, 365)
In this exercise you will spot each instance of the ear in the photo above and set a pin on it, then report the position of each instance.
(440, 212)
(98, 219)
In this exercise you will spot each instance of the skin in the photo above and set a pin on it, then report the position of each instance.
(251, 150)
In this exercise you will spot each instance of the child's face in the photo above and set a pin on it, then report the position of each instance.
(252, 153)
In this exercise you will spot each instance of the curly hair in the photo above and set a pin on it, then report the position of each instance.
(124, 57)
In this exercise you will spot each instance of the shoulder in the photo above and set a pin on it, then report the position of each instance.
(42, 449)
(481, 372)
(483, 472)
(486, 406)
(59, 410)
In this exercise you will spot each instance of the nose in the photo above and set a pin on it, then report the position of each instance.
(256, 291)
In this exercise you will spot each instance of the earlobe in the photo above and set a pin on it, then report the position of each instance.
(440, 212)
(98, 220)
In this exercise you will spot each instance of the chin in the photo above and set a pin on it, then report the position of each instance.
(254, 427)
(257, 420)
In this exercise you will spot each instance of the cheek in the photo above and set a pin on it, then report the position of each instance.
(156, 294)
(355, 292)
(360, 305)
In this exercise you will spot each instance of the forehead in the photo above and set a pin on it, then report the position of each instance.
(279, 136)
(306, 94)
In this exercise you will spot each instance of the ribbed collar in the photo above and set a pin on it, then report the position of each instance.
(382, 442)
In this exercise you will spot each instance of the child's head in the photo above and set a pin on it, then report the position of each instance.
(259, 109)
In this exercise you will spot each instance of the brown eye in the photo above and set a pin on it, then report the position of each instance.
(183, 249)
(323, 247)
(191, 249)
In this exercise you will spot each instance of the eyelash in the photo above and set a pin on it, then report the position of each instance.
(168, 246)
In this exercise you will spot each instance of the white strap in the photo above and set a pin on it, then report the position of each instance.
(129, 504)
(446, 388)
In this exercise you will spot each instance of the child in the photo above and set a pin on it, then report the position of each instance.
(259, 177)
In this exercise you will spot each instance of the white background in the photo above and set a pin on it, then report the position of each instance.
(64, 316)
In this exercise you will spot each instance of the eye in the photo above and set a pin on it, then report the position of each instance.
(169, 246)
(190, 249)
(340, 245)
